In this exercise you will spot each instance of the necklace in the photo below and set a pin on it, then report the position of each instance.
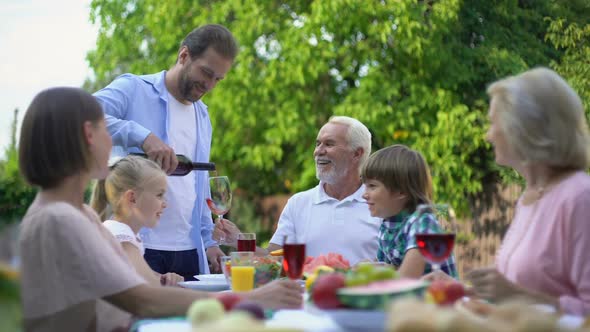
(532, 195)
(537, 193)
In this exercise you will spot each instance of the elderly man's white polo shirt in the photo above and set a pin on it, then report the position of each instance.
(327, 225)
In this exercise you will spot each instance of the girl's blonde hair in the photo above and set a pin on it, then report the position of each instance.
(402, 169)
(129, 173)
(543, 119)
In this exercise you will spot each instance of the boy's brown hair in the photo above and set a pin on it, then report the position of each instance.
(402, 169)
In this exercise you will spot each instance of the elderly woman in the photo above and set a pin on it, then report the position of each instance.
(538, 128)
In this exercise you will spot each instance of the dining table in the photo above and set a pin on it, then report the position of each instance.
(311, 319)
(306, 319)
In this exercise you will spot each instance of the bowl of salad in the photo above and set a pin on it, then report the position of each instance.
(268, 268)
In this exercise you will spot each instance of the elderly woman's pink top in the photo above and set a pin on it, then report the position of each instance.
(547, 247)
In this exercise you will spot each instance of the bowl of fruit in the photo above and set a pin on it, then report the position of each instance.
(268, 268)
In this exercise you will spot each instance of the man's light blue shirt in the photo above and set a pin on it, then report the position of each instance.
(136, 106)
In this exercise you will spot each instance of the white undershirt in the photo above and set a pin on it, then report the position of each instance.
(175, 223)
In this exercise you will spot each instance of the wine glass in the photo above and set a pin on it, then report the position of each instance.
(247, 242)
(437, 247)
(293, 257)
(220, 201)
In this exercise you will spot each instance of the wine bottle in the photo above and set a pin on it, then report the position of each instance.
(185, 165)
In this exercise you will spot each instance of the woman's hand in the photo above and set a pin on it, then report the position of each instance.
(490, 284)
(170, 279)
(226, 232)
(437, 275)
(278, 294)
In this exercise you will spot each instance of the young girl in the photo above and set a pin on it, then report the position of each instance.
(397, 180)
(134, 191)
(74, 274)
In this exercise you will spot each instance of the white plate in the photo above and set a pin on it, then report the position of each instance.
(209, 286)
(168, 326)
(302, 320)
(354, 319)
(366, 320)
(210, 277)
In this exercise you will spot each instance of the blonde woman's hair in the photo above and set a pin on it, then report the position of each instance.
(401, 169)
(129, 173)
(543, 119)
(357, 136)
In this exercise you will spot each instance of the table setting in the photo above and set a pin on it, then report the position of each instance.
(339, 298)
(367, 297)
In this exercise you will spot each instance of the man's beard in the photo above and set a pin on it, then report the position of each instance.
(185, 86)
(332, 176)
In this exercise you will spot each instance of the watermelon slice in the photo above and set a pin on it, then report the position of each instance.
(378, 294)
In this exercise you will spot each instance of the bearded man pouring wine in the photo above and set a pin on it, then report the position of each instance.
(161, 115)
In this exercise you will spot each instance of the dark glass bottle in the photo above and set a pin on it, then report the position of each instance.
(185, 165)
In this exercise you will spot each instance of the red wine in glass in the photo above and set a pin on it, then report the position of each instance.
(436, 248)
(293, 259)
(246, 245)
(219, 210)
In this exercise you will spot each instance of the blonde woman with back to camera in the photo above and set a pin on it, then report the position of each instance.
(538, 127)
(74, 274)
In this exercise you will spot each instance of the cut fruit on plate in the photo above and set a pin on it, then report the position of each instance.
(278, 252)
(377, 295)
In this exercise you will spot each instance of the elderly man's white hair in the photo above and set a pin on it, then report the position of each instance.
(357, 136)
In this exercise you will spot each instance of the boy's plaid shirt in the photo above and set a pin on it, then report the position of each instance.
(397, 235)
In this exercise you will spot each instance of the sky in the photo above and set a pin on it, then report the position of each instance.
(42, 44)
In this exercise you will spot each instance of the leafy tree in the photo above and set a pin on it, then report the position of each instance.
(15, 194)
(573, 37)
(414, 71)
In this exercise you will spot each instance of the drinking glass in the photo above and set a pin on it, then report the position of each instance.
(226, 267)
(247, 242)
(242, 271)
(437, 247)
(293, 257)
(220, 201)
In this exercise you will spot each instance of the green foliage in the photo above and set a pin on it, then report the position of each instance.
(10, 304)
(15, 194)
(244, 210)
(573, 37)
(415, 72)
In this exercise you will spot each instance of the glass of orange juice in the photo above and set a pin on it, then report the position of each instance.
(242, 271)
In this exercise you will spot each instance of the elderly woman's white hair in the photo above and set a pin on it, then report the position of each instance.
(357, 136)
(543, 119)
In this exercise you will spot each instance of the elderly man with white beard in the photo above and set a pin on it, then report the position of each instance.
(332, 217)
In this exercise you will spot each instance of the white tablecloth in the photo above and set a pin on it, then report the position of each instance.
(302, 319)
(310, 319)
